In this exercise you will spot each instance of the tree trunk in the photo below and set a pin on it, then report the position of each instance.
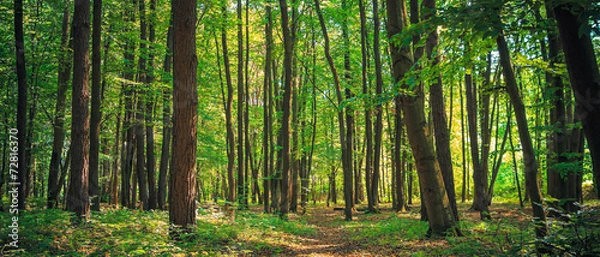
(340, 111)
(267, 111)
(182, 202)
(531, 164)
(372, 194)
(241, 183)
(64, 73)
(286, 106)
(96, 114)
(439, 211)
(77, 196)
(583, 71)
(166, 142)
(228, 112)
(150, 157)
(436, 96)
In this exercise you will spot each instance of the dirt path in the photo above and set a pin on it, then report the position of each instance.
(329, 240)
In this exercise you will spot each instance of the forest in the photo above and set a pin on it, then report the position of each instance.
(299, 128)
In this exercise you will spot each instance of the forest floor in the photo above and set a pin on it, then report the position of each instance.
(320, 231)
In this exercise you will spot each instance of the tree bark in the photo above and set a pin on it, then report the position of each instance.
(167, 126)
(77, 196)
(583, 71)
(96, 114)
(439, 211)
(531, 164)
(372, 194)
(150, 156)
(267, 110)
(286, 106)
(228, 112)
(436, 96)
(64, 73)
(182, 189)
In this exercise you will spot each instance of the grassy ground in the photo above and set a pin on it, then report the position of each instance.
(320, 232)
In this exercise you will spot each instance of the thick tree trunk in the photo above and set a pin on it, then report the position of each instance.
(531, 164)
(182, 189)
(583, 71)
(64, 74)
(439, 212)
(77, 197)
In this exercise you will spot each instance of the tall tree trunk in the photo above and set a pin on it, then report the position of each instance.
(442, 135)
(228, 111)
(373, 188)
(96, 114)
(439, 212)
(479, 174)
(365, 91)
(267, 110)
(64, 73)
(140, 166)
(531, 164)
(21, 101)
(182, 190)
(286, 106)
(583, 71)
(340, 111)
(241, 183)
(348, 171)
(77, 197)
(167, 126)
(150, 157)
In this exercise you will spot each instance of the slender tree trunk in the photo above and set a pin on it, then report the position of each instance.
(348, 171)
(267, 111)
(64, 74)
(77, 196)
(21, 101)
(442, 135)
(338, 92)
(531, 164)
(241, 183)
(96, 114)
(166, 142)
(439, 211)
(372, 194)
(150, 157)
(182, 190)
(228, 112)
(286, 106)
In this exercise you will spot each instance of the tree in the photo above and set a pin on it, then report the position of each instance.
(64, 73)
(285, 119)
(96, 114)
(439, 212)
(77, 196)
(346, 166)
(583, 70)
(442, 135)
(182, 189)
(531, 164)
